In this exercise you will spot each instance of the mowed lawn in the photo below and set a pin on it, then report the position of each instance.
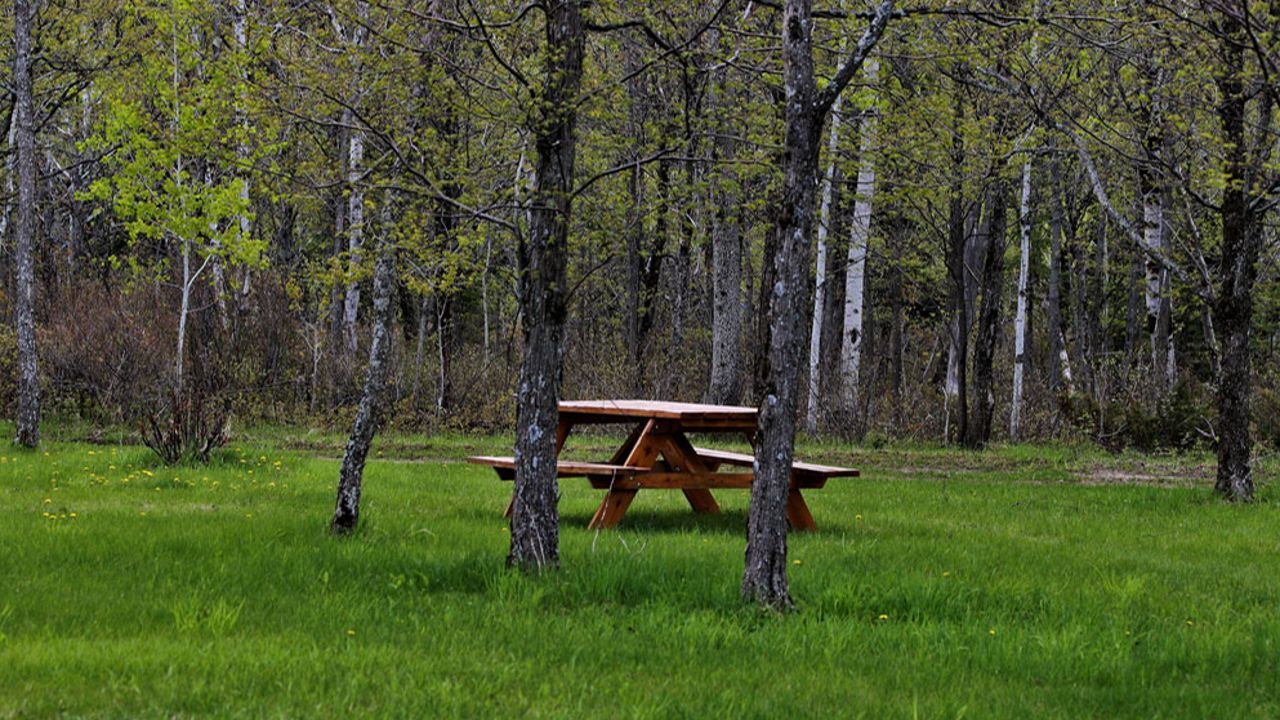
(1021, 582)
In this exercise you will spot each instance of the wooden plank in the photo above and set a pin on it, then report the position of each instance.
(745, 460)
(660, 409)
(564, 468)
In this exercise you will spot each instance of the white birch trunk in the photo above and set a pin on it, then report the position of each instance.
(9, 175)
(820, 287)
(855, 273)
(355, 238)
(242, 149)
(1020, 320)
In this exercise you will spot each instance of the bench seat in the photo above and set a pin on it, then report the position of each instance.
(798, 469)
(564, 468)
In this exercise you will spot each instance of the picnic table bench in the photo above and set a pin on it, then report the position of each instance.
(658, 455)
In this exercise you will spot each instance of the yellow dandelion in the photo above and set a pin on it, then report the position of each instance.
(795, 562)
(992, 632)
(857, 517)
(883, 617)
(946, 573)
(73, 515)
(1191, 622)
(351, 632)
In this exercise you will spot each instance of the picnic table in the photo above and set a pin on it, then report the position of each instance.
(658, 454)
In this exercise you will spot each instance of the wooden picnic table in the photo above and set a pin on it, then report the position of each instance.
(658, 454)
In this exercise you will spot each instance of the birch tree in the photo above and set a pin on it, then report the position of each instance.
(1020, 319)
(346, 514)
(856, 262)
(820, 272)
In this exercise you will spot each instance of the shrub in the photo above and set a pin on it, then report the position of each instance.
(187, 427)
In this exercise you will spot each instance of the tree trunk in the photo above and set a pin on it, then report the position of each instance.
(1241, 247)
(955, 391)
(764, 578)
(1020, 320)
(28, 421)
(535, 520)
(355, 239)
(820, 272)
(856, 270)
(984, 350)
(725, 387)
(1059, 359)
(346, 514)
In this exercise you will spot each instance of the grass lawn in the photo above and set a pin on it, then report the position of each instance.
(1021, 582)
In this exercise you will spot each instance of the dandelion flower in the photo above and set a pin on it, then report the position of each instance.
(883, 617)
(857, 517)
(992, 632)
(795, 562)
(351, 632)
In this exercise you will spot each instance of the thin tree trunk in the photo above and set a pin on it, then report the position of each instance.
(1059, 359)
(1020, 320)
(955, 392)
(820, 272)
(535, 520)
(856, 269)
(28, 421)
(346, 513)
(988, 327)
(355, 239)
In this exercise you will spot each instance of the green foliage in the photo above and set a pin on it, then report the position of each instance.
(170, 132)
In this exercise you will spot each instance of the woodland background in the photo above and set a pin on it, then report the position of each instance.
(1038, 174)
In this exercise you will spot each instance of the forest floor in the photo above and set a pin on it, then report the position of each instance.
(1024, 581)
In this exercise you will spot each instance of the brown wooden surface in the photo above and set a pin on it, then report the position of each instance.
(564, 468)
(689, 415)
(746, 460)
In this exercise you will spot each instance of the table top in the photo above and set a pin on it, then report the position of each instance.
(683, 412)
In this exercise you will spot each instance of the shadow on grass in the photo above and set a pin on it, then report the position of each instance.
(732, 522)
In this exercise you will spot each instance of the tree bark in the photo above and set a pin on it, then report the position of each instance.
(28, 421)
(764, 578)
(725, 387)
(988, 328)
(355, 239)
(346, 514)
(955, 391)
(535, 520)
(1241, 247)
(1059, 359)
(820, 272)
(1020, 320)
(856, 269)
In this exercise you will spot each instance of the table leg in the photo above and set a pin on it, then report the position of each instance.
(701, 500)
(679, 451)
(798, 515)
(643, 453)
(610, 512)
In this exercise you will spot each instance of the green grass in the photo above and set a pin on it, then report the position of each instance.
(1049, 581)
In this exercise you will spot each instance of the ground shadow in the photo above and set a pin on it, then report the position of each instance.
(677, 521)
